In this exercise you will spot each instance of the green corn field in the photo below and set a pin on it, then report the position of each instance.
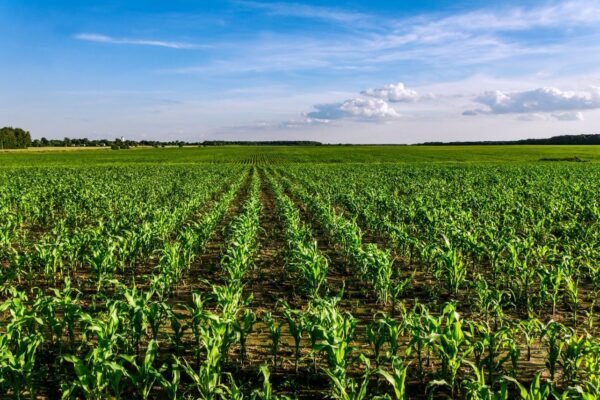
(248, 273)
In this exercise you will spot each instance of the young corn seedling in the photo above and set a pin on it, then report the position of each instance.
(396, 377)
(312, 266)
(157, 313)
(295, 322)
(213, 335)
(99, 369)
(489, 300)
(478, 389)
(422, 327)
(492, 343)
(103, 263)
(144, 375)
(553, 279)
(393, 331)
(266, 392)
(17, 363)
(334, 332)
(231, 391)
(377, 336)
(552, 334)
(243, 327)
(572, 291)
(398, 288)
(530, 328)
(452, 268)
(572, 356)
(171, 387)
(513, 349)
(536, 391)
(67, 301)
(347, 388)
(178, 331)
(135, 308)
(451, 345)
(275, 333)
(197, 315)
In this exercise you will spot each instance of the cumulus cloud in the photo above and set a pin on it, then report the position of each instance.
(394, 92)
(564, 105)
(357, 108)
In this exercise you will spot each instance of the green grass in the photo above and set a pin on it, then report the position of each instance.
(297, 154)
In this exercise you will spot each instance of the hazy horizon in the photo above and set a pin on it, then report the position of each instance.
(330, 71)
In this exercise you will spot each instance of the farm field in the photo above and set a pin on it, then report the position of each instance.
(295, 154)
(327, 272)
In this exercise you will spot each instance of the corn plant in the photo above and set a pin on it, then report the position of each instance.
(243, 327)
(295, 322)
(67, 301)
(479, 389)
(492, 344)
(206, 378)
(451, 345)
(398, 288)
(312, 266)
(18, 362)
(135, 308)
(513, 349)
(266, 392)
(347, 388)
(178, 330)
(530, 328)
(144, 374)
(393, 331)
(19, 344)
(99, 369)
(274, 328)
(452, 268)
(377, 336)
(397, 377)
(489, 300)
(572, 356)
(231, 391)
(422, 328)
(170, 386)
(572, 291)
(536, 391)
(553, 279)
(552, 333)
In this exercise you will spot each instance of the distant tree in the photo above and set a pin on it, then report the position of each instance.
(14, 138)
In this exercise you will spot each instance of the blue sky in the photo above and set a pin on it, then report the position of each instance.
(357, 71)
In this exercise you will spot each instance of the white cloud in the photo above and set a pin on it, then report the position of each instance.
(357, 108)
(528, 117)
(568, 116)
(394, 92)
(444, 41)
(94, 37)
(542, 100)
(560, 14)
(298, 10)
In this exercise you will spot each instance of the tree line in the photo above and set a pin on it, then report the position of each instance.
(556, 140)
(14, 138)
(85, 142)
